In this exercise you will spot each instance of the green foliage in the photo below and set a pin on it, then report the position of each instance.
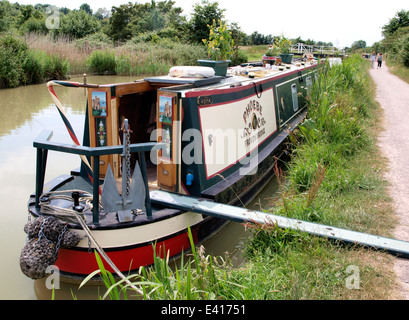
(204, 14)
(400, 20)
(333, 130)
(256, 39)
(141, 58)
(359, 44)
(12, 52)
(220, 43)
(405, 51)
(34, 25)
(102, 61)
(78, 24)
(21, 66)
(132, 20)
(115, 291)
(98, 40)
(283, 44)
(396, 41)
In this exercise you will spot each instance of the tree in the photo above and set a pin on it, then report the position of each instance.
(400, 20)
(130, 20)
(202, 17)
(78, 24)
(102, 14)
(257, 38)
(86, 8)
(119, 22)
(360, 44)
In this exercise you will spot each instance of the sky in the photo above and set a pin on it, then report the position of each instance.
(339, 22)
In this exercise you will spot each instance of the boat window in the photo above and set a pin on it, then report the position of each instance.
(294, 94)
(309, 83)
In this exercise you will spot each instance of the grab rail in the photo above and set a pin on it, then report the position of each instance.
(43, 145)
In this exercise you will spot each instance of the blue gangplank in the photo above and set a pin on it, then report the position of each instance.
(202, 206)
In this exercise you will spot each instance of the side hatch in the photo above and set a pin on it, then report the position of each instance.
(169, 132)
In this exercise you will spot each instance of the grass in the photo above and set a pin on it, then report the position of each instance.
(335, 178)
(96, 54)
(398, 69)
(254, 53)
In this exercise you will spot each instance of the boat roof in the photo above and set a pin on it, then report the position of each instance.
(236, 76)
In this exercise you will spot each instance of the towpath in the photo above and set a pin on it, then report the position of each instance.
(393, 96)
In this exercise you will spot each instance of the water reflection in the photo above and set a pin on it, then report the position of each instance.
(25, 112)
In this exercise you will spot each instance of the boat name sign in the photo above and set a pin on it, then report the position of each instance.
(242, 130)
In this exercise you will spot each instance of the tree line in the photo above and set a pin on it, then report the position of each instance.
(396, 38)
(147, 22)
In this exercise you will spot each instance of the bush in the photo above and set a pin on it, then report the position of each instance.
(102, 62)
(34, 25)
(94, 41)
(78, 24)
(21, 66)
(12, 52)
(404, 53)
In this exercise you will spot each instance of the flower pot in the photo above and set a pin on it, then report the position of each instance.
(220, 66)
(286, 58)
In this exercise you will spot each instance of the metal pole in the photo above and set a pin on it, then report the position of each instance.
(144, 171)
(95, 191)
(39, 177)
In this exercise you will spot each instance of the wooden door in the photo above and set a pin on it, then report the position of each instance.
(102, 116)
(169, 132)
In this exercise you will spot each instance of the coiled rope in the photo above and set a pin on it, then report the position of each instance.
(70, 214)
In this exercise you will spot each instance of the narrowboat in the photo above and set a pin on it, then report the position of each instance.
(190, 132)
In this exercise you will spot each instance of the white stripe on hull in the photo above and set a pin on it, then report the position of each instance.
(122, 237)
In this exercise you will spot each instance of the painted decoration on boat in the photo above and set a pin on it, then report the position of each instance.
(245, 124)
(165, 109)
(101, 134)
(99, 103)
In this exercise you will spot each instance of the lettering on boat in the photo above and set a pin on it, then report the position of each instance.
(230, 138)
(254, 122)
(204, 100)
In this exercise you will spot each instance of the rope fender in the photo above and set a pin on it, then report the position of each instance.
(45, 237)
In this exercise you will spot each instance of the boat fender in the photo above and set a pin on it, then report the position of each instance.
(45, 237)
(189, 179)
(191, 72)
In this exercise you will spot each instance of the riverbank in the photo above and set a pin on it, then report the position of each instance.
(393, 143)
(335, 178)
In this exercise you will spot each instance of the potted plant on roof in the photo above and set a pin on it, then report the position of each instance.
(284, 47)
(219, 48)
(270, 55)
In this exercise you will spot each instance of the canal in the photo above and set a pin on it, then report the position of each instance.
(25, 112)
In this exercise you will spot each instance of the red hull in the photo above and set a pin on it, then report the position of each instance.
(81, 263)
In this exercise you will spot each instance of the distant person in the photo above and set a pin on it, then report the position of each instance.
(379, 60)
(373, 58)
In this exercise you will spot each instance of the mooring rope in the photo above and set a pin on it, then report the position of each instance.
(70, 213)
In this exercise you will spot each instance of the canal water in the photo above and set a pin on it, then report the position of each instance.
(25, 112)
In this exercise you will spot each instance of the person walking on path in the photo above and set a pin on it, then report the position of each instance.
(392, 94)
(373, 58)
(379, 60)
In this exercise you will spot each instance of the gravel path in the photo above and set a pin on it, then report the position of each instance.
(393, 97)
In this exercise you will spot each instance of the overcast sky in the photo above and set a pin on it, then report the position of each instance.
(339, 22)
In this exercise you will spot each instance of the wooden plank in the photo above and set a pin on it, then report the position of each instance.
(397, 247)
